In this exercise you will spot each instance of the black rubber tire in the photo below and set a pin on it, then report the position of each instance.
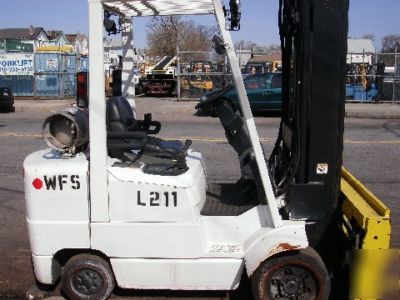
(7, 109)
(101, 276)
(306, 259)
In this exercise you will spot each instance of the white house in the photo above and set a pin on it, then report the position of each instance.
(243, 56)
(56, 38)
(112, 52)
(360, 51)
(33, 35)
(80, 43)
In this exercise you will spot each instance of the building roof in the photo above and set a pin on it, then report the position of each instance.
(360, 46)
(276, 56)
(72, 37)
(20, 33)
(54, 34)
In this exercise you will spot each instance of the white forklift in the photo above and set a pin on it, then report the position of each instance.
(128, 208)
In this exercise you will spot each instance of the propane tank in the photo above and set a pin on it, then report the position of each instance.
(68, 130)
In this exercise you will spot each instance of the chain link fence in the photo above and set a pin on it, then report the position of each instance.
(373, 78)
(200, 72)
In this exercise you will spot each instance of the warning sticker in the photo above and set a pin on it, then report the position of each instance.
(322, 169)
(224, 248)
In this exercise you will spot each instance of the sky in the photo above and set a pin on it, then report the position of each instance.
(259, 18)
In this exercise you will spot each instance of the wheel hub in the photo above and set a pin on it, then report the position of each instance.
(87, 282)
(292, 283)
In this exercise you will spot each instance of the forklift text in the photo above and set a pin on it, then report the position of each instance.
(57, 182)
(165, 199)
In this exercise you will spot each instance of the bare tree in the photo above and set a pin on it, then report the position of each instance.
(245, 45)
(164, 34)
(389, 43)
(257, 49)
(196, 37)
(369, 36)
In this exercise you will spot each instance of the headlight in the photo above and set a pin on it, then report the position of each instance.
(204, 98)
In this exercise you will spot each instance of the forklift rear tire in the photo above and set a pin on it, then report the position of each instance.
(87, 277)
(299, 275)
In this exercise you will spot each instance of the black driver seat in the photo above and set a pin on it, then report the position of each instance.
(120, 120)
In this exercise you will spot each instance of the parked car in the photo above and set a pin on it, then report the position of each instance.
(6, 99)
(264, 92)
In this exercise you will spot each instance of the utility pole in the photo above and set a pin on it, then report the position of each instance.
(178, 74)
(240, 55)
(395, 72)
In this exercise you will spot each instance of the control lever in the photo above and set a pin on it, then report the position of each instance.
(181, 161)
(147, 121)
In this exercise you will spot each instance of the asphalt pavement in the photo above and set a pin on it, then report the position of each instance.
(353, 110)
(372, 147)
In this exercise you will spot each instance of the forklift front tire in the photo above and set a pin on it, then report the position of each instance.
(87, 277)
(299, 275)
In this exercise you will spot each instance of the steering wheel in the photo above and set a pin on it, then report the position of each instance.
(212, 100)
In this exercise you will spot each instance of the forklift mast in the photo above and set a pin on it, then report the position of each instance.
(306, 162)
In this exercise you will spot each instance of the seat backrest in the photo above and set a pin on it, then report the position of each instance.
(235, 130)
(120, 115)
(239, 138)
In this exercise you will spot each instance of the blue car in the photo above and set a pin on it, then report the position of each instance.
(263, 90)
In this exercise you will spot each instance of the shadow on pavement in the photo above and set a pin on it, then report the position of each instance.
(261, 114)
